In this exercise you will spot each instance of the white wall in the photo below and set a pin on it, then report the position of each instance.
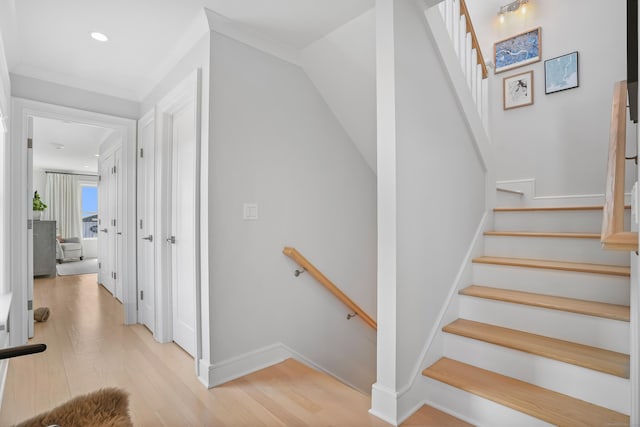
(434, 178)
(342, 67)
(53, 93)
(39, 181)
(440, 185)
(562, 139)
(6, 10)
(275, 142)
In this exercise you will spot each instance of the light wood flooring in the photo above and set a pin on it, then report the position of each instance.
(89, 348)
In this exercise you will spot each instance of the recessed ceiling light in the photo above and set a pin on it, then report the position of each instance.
(99, 36)
(58, 146)
(86, 166)
(97, 155)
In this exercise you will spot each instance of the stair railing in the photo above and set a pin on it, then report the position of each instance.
(465, 43)
(613, 236)
(331, 287)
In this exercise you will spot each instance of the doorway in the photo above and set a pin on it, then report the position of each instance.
(20, 200)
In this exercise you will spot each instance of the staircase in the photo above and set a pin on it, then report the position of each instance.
(542, 335)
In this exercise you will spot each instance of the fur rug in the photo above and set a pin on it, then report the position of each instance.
(108, 407)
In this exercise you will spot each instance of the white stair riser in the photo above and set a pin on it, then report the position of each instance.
(570, 284)
(552, 248)
(505, 199)
(483, 412)
(560, 221)
(572, 380)
(589, 330)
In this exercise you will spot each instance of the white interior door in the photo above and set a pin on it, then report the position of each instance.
(146, 222)
(105, 260)
(183, 223)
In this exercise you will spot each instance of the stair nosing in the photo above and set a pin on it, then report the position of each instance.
(551, 208)
(611, 270)
(551, 302)
(521, 396)
(563, 235)
(585, 356)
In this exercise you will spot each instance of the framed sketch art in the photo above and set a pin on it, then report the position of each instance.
(561, 73)
(516, 51)
(517, 90)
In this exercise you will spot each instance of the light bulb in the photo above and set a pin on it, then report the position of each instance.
(524, 9)
(502, 18)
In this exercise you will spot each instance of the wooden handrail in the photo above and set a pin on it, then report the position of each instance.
(304, 263)
(474, 39)
(613, 236)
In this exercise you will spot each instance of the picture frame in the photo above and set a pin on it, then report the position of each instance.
(517, 90)
(561, 73)
(515, 51)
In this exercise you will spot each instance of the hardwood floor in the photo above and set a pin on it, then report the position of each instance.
(89, 348)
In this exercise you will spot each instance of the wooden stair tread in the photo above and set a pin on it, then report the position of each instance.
(613, 270)
(542, 234)
(551, 208)
(609, 362)
(572, 305)
(547, 405)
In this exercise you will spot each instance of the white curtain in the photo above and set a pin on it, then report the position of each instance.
(62, 196)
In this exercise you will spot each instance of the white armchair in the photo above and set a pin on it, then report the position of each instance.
(68, 248)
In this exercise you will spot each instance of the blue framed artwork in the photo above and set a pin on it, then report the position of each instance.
(561, 73)
(516, 51)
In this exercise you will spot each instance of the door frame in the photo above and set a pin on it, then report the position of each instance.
(19, 204)
(189, 90)
(148, 120)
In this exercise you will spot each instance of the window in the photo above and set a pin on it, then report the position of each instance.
(89, 211)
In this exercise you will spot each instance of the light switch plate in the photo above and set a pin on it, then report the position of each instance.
(250, 211)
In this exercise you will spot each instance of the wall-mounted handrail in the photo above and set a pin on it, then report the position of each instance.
(613, 236)
(474, 39)
(324, 281)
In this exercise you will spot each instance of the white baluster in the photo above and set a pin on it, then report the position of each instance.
(472, 86)
(467, 61)
(485, 104)
(449, 18)
(462, 43)
(479, 100)
(456, 24)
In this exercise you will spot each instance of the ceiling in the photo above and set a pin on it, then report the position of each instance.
(49, 40)
(66, 146)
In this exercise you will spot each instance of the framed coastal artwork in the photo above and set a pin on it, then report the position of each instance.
(517, 90)
(561, 73)
(516, 51)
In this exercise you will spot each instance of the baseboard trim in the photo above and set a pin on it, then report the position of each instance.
(306, 361)
(252, 361)
(527, 186)
(245, 364)
(204, 369)
(384, 404)
(410, 397)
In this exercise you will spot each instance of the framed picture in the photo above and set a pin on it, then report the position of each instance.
(561, 73)
(521, 49)
(517, 90)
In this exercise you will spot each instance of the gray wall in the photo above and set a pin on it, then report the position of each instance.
(562, 139)
(53, 93)
(440, 186)
(276, 143)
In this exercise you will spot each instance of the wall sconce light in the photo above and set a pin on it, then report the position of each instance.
(512, 7)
